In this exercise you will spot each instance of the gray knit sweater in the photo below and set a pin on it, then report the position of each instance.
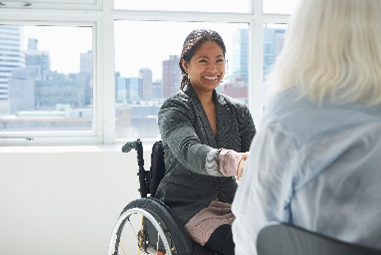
(188, 137)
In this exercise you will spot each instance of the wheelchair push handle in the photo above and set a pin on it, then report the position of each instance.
(129, 146)
(144, 176)
(138, 146)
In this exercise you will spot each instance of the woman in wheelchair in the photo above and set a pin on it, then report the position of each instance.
(205, 136)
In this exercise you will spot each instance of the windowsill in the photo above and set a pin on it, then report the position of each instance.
(67, 148)
(61, 149)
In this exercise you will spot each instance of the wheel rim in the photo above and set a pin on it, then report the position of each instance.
(120, 224)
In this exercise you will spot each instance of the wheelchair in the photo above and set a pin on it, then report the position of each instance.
(146, 224)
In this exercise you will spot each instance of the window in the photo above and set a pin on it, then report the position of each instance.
(97, 71)
(47, 79)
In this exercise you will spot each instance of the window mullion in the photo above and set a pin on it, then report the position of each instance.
(256, 91)
(107, 88)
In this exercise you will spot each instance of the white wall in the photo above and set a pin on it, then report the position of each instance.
(63, 202)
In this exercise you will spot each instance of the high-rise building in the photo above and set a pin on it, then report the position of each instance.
(134, 88)
(32, 44)
(11, 57)
(157, 89)
(86, 62)
(240, 65)
(86, 72)
(120, 88)
(39, 58)
(146, 75)
(172, 76)
(273, 41)
(22, 89)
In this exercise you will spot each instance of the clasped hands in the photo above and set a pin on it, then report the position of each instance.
(241, 165)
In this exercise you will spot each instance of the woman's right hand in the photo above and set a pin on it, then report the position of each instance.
(241, 165)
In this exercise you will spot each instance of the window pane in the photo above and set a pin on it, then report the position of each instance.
(147, 70)
(239, 6)
(45, 78)
(273, 41)
(279, 6)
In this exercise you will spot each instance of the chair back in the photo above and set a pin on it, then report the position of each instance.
(157, 169)
(286, 239)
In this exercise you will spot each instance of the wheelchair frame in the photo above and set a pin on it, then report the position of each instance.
(161, 230)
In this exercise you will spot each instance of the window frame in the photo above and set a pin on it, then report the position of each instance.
(37, 4)
(102, 18)
(71, 137)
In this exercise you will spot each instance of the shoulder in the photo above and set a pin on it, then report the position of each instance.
(178, 105)
(178, 100)
(230, 100)
(306, 121)
(233, 103)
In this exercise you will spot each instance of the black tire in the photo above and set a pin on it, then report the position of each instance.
(172, 232)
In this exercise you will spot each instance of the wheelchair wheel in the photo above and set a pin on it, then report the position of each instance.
(147, 226)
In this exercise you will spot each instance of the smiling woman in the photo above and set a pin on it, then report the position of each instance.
(203, 153)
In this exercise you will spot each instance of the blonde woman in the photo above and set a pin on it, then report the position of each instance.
(316, 158)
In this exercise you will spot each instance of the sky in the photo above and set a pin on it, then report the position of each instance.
(63, 43)
(147, 44)
(138, 44)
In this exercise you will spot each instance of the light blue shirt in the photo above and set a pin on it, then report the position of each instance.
(318, 167)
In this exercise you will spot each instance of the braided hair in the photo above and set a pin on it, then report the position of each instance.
(191, 44)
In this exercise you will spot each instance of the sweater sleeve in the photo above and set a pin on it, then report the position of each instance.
(222, 162)
(177, 130)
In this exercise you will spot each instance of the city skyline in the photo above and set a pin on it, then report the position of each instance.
(236, 56)
(128, 60)
(41, 94)
(64, 51)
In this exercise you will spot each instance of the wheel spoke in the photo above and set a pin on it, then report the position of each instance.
(153, 226)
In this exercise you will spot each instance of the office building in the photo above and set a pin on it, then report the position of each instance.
(11, 57)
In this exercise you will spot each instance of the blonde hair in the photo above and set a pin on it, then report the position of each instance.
(333, 49)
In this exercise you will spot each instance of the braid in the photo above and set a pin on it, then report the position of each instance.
(193, 41)
(184, 81)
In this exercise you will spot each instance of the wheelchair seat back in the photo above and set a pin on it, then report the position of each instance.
(157, 168)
